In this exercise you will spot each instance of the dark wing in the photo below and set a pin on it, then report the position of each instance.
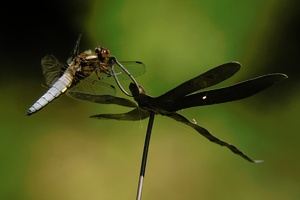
(134, 115)
(103, 99)
(209, 78)
(210, 137)
(235, 92)
(136, 68)
(52, 69)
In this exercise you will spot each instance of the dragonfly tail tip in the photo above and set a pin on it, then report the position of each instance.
(28, 113)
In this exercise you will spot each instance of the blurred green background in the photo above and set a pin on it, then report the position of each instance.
(59, 153)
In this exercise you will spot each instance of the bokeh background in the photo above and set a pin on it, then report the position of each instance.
(59, 153)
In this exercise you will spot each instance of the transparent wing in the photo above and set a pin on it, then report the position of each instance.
(52, 69)
(89, 88)
(136, 68)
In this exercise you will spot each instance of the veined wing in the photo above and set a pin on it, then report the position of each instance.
(91, 88)
(136, 68)
(94, 90)
(52, 69)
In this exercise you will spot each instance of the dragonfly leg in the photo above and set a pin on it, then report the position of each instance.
(114, 60)
(118, 82)
(97, 72)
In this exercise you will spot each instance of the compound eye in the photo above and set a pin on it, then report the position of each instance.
(105, 51)
(97, 50)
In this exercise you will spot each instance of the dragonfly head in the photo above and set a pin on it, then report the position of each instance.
(103, 53)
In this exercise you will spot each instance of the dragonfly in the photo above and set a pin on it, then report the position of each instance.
(187, 95)
(83, 76)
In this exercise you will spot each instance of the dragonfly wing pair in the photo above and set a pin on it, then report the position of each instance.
(184, 96)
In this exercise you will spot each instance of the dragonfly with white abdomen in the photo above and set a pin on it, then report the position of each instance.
(82, 77)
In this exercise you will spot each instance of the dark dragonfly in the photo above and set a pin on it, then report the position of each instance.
(186, 95)
(83, 76)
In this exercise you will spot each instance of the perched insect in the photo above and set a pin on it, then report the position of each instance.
(83, 74)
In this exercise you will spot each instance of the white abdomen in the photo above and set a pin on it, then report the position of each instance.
(59, 87)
